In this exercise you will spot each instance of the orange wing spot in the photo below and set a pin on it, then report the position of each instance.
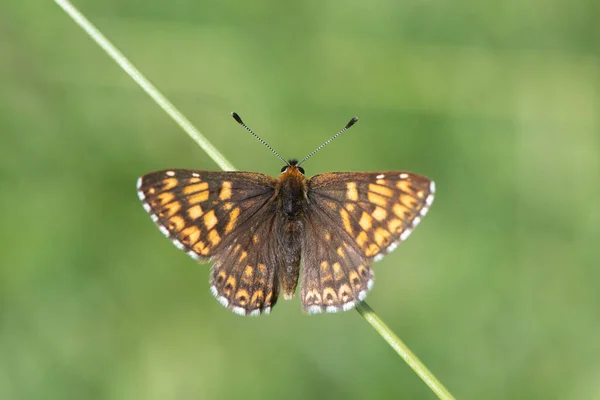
(331, 204)
(361, 238)
(255, 239)
(227, 206)
(230, 285)
(210, 220)
(176, 223)
(225, 191)
(340, 252)
(248, 273)
(365, 221)
(195, 212)
(382, 190)
(377, 199)
(400, 211)
(312, 297)
(200, 247)
(169, 183)
(345, 293)
(350, 207)
(206, 250)
(325, 272)
(327, 236)
(381, 181)
(363, 271)
(198, 187)
(214, 237)
(372, 250)
(233, 216)
(243, 256)
(221, 277)
(258, 298)
(382, 237)
(420, 194)
(329, 296)
(408, 200)
(379, 214)
(404, 186)
(151, 190)
(337, 271)
(395, 225)
(262, 269)
(165, 198)
(242, 297)
(355, 279)
(190, 235)
(198, 198)
(170, 209)
(346, 220)
(268, 299)
(351, 192)
(195, 179)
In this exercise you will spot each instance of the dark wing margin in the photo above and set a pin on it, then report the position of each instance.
(218, 216)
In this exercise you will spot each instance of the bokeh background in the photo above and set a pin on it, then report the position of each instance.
(497, 291)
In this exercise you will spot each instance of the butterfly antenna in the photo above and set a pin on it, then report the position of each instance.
(239, 121)
(348, 125)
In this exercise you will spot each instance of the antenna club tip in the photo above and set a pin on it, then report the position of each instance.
(237, 118)
(352, 122)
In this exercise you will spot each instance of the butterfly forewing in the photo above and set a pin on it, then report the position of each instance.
(373, 210)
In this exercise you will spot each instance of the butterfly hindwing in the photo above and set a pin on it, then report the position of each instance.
(335, 274)
(244, 276)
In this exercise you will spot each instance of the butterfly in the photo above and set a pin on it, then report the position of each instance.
(263, 233)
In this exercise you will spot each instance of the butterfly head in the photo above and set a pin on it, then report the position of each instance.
(292, 166)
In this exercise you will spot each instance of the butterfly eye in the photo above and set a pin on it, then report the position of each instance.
(301, 170)
(284, 168)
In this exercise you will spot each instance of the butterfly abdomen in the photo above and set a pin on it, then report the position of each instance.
(291, 203)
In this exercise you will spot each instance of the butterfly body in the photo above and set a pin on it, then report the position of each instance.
(264, 234)
(291, 190)
(290, 200)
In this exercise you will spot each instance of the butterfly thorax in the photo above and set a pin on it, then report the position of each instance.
(291, 190)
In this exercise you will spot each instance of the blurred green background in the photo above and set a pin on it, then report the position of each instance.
(497, 291)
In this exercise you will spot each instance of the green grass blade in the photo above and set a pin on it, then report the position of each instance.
(145, 84)
(402, 349)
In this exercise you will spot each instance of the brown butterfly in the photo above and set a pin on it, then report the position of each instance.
(262, 233)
